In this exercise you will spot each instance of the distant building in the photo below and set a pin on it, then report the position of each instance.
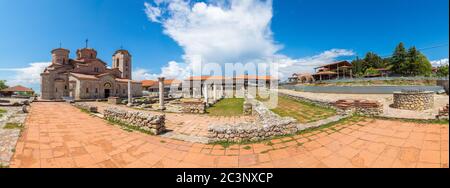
(87, 77)
(17, 90)
(221, 86)
(337, 70)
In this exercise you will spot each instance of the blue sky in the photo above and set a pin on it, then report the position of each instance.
(301, 31)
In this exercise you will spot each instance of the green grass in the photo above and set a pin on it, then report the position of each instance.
(2, 111)
(302, 111)
(12, 126)
(227, 107)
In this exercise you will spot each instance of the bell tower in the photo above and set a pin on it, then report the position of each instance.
(122, 60)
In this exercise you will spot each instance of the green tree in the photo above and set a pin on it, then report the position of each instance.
(3, 84)
(372, 60)
(442, 71)
(399, 64)
(358, 67)
(417, 64)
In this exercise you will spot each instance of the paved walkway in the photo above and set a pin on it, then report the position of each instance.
(59, 135)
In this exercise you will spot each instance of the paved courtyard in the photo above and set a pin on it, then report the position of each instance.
(59, 135)
(190, 127)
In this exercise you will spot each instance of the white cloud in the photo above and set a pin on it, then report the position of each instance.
(27, 76)
(218, 32)
(440, 62)
(173, 70)
(228, 31)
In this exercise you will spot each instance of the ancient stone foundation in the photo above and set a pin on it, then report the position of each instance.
(443, 113)
(193, 107)
(87, 107)
(144, 121)
(413, 100)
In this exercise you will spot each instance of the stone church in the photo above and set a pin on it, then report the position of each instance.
(88, 77)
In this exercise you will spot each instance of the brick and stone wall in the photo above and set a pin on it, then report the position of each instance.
(144, 121)
(363, 107)
(85, 106)
(417, 101)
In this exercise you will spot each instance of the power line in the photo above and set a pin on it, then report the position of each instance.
(422, 49)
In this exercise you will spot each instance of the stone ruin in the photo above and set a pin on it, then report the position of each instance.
(416, 100)
(364, 107)
(144, 121)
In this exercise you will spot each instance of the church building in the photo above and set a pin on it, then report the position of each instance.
(87, 77)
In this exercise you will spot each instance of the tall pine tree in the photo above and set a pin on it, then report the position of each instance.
(399, 60)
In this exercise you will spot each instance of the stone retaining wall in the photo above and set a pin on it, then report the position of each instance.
(144, 121)
(417, 101)
(85, 106)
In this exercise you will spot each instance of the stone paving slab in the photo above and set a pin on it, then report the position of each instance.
(9, 137)
(58, 135)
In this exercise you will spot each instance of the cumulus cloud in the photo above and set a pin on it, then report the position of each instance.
(218, 32)
(173, 70)
(27, 76)
(228, 31)
(440, 62)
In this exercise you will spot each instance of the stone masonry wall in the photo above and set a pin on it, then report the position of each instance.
(417, 101)
(144, 121)
(193, 107)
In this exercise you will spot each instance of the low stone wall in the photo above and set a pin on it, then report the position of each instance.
(417, 101)
(88, 107)
(144, 121)
(268, 126)
(363, 107)
(193, 107)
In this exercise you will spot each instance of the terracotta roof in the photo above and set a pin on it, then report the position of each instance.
(148, 83)
(84, 76)
(335, 63)
(126, 80)
(18, 88)
(254, 77)
(154, 83)
(224, 78)
(325, 73)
